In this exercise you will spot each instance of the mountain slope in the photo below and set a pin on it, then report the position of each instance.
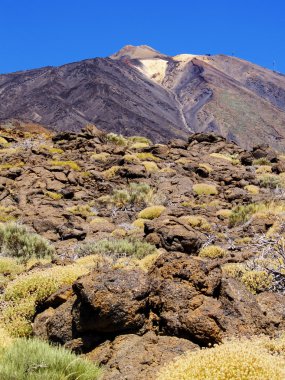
(141, 91)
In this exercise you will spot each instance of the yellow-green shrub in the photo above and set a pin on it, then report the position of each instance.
(117, 139)
(146, 156)
(81, 210)
(196, 221)
(212, 252)
(111, 172)
(150, 167)
(23, 293)
(100, 156)
(205, 189)
(53, 195)
(140, 222)
(151, 212)
(17, 241)
(224, 213)
(264, 169)
(252, 189)
(139, 145)
(71, 164)
(233, 360)
(257, 281)
(234, 270)
(33, 359)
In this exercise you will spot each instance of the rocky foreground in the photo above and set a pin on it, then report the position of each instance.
(207, 219)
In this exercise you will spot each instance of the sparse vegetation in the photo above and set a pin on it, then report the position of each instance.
(117, 248)
(82, 210)
(70, 164)
(205, 189)
(212, 252)
(24, 292)
(116, 139)
(17, 241)
(53, 195)
(37, 360)
(151, 212)
(235, 360)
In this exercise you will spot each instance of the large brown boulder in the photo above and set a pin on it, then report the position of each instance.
(130, 356)
(172, 235)
(111, 301)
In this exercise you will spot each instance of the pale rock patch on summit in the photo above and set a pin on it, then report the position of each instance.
(154, 69)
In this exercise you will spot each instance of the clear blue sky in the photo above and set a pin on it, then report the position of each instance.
(37, 33)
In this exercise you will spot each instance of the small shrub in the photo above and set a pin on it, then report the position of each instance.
(140, 222)
(241, 214)
(3, 141)
(261, 161)
(145, 156)
(140, 139)
(234, 270)
(117, 248)
(116, 139)
(205, 189)
(271, 181)
(53, 195)
(103, 157)
(150, 167)
(131, 158)
(139, 145)
(196, 221)
(24, 292)
(81, 210)
(151, 212)
(264, 169)
(5, 214)
(10, 266)
(32, 359)
(257, 281)
(224, 213)
(111, 172)
(206, 167)
(17, 241)
(11, 165)
(213, 252)
(228, 157)
(254, 190)
(232, 360)
(71, 164)
(135, 193)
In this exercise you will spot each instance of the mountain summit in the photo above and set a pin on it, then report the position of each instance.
(141, 91)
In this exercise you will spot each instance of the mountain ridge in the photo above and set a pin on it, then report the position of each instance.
(139, 90)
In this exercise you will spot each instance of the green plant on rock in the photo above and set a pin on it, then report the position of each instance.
(16, 241)
(213, 252)
(257, 281)
(29, 289)
(251, 359)
(151, 212)
(117, 248)
(33, 359)
(116, 139)
(205, 189)
(70, 164)
(81, 210)
(242, 213)
(271, 181)
(53, 195)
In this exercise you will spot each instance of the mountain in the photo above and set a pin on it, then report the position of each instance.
(141, 91)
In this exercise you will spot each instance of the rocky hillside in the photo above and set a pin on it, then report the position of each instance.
(133, 253)
(141, 91)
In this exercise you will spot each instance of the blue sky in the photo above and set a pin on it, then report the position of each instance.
(35, 33)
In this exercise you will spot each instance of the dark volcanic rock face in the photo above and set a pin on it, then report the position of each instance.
(140, 91)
